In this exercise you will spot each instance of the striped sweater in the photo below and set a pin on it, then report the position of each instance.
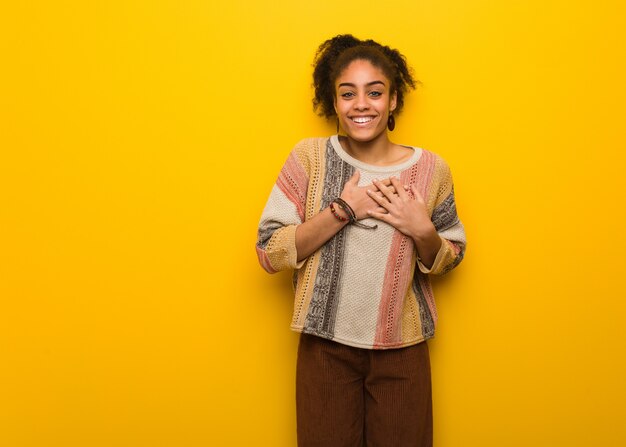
(363, 288)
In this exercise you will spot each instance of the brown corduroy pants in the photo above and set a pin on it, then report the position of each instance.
(352, 397)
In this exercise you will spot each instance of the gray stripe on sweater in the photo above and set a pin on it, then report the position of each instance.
(428, 324)
(444, 215)
(321, 315)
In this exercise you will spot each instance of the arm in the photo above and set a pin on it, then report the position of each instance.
(451, 232)
(409, 216)
(285, 237)
(439, 238)
(315, 232)
(283, 212)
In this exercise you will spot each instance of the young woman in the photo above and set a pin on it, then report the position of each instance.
(363, 222)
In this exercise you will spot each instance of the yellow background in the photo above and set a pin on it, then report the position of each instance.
(139, 141)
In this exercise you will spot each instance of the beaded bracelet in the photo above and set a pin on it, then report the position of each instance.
(332, 210)
(352, 215)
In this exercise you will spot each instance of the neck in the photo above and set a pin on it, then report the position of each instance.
(378, 151)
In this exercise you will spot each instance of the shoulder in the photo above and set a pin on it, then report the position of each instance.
(434, 159)
(435, 162)
(309, 151)
(437, 172)
(312, 144)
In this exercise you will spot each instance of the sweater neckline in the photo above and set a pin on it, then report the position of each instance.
(417, 153)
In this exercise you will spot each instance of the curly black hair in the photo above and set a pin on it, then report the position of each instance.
(335, 54)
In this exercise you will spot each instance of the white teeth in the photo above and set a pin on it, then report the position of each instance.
(362, 119)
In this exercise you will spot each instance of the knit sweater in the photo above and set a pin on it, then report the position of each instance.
(364, 288)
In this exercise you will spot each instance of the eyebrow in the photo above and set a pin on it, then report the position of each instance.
(369, 84)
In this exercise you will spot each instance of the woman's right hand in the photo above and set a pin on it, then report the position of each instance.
(359, 200)
(313, 233)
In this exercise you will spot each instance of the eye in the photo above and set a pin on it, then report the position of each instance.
(376, 94)
(347, 95)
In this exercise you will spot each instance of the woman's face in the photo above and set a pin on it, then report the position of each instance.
(363, 101)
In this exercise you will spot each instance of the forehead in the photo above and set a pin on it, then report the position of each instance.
(361, 71)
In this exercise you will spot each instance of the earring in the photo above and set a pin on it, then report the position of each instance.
(391, 122)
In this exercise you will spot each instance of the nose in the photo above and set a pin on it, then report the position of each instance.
(361, 102)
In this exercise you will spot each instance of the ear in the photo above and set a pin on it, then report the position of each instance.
(393, 102)
(335, 104)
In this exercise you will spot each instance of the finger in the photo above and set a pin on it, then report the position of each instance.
(377, 215)
(381, 200)
(355, 178)
(416, 193)
(380, 195)
(401, 192)
(409, 191)
(385, 190)
(387, 183)
(391, 189)
(373, 185)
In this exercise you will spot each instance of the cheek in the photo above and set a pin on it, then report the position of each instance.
(340, 109)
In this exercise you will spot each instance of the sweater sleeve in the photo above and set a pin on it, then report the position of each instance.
(448, 226)
(284, 211)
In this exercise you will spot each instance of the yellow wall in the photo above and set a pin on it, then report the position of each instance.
(139, 141)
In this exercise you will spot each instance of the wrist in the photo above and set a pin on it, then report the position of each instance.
(425, 233)
(339, 213)
(352, 215)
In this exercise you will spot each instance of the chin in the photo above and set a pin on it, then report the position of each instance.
(365, 136)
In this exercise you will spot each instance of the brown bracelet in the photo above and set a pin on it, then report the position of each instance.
(332, 210)
(353, 220)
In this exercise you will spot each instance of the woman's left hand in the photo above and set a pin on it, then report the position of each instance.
(407, 214)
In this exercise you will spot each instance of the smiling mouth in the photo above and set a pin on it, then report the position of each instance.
(362, 119)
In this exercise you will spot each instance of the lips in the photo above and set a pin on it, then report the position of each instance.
(362, 119)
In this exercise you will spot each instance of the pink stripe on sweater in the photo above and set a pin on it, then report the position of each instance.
(400, 264)
(423, 183)
(397, 280)
(427, 166)
(264, 260)
(455, 247)
(293, 182)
